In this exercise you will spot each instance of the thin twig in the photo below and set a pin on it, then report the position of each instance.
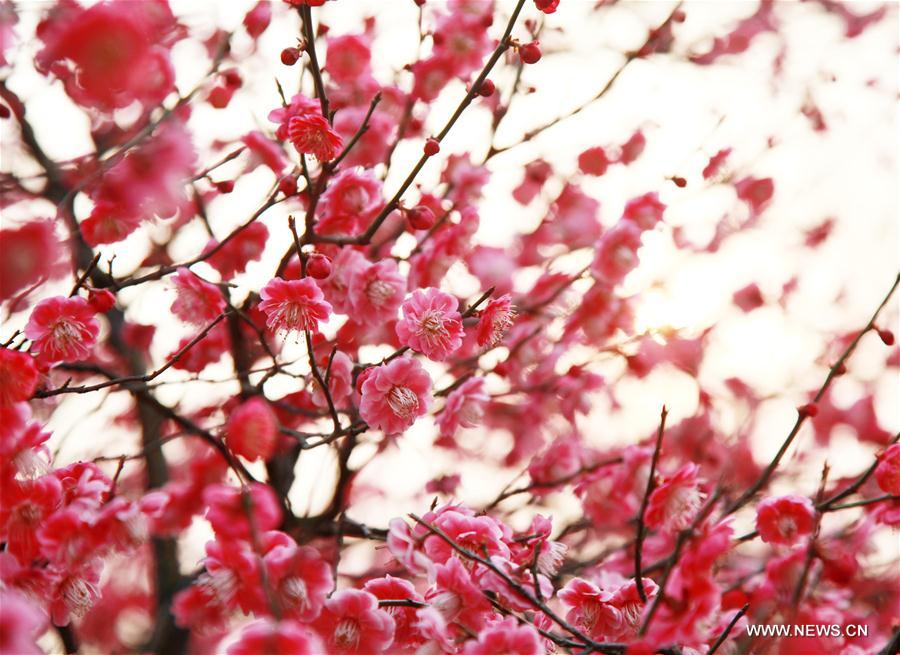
(394, 202)
(135, 378)
(641, 528)
(722, 637)
(833, 372)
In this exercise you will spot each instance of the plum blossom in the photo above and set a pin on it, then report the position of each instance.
(226, 509)
(232, 257)
(347, 264)
(495, 320)
(547, 6)
(477, 534)
(390, 588)
(23, 449)
(748, 298)
(287, 471)
(675, 502)
(785, 519)
(351, 622)
(148, 181)
(464, 407)
(349, 57)
(294, 305)
(559, 463)
(300, 577)
(756, 192)
(73, 593)
(349, 203)
(456, 596)
(617, 252)
(251, 431)
(506, 636)
(110, 54)
(395, 394)
(32, 253)
(18, 376)
(887, 473)
(340, 379)
(431, 323)
(610, 612)
(276, 638)
(645, 211)
(372, 147)
(593, 161)
(312, 135)
(376, 291)
(196, 300)
(26, 505)
(21, 624)
(62, 329)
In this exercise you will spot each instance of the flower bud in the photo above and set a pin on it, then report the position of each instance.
(432, 147)
(289, 56)
(486, 89)
(420, 217)
(530, 53)
(288, 185)
(318, 266)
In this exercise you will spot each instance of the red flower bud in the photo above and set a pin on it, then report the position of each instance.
(318, 266)
(432, 147)
(486, 89)
(420, 217)
(220, 96)
(225, 186)
(101, 300)
(289, 56)
(809, 409)
(887, 336)
(232, 79)
(530, 53)
(288, 186)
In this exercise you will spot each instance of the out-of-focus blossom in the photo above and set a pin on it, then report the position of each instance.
(785, 519)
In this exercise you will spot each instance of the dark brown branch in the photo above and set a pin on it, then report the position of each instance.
(641, 528)
(856, 484)
(362, 129)
(586, 641)
(314, 367)
(168, 270)
(84, 276)
(310, 37)
(722, 637)
(682, 539)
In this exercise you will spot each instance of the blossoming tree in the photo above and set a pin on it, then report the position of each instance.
(356, 311)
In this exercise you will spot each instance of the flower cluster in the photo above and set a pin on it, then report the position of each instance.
(295, 368)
